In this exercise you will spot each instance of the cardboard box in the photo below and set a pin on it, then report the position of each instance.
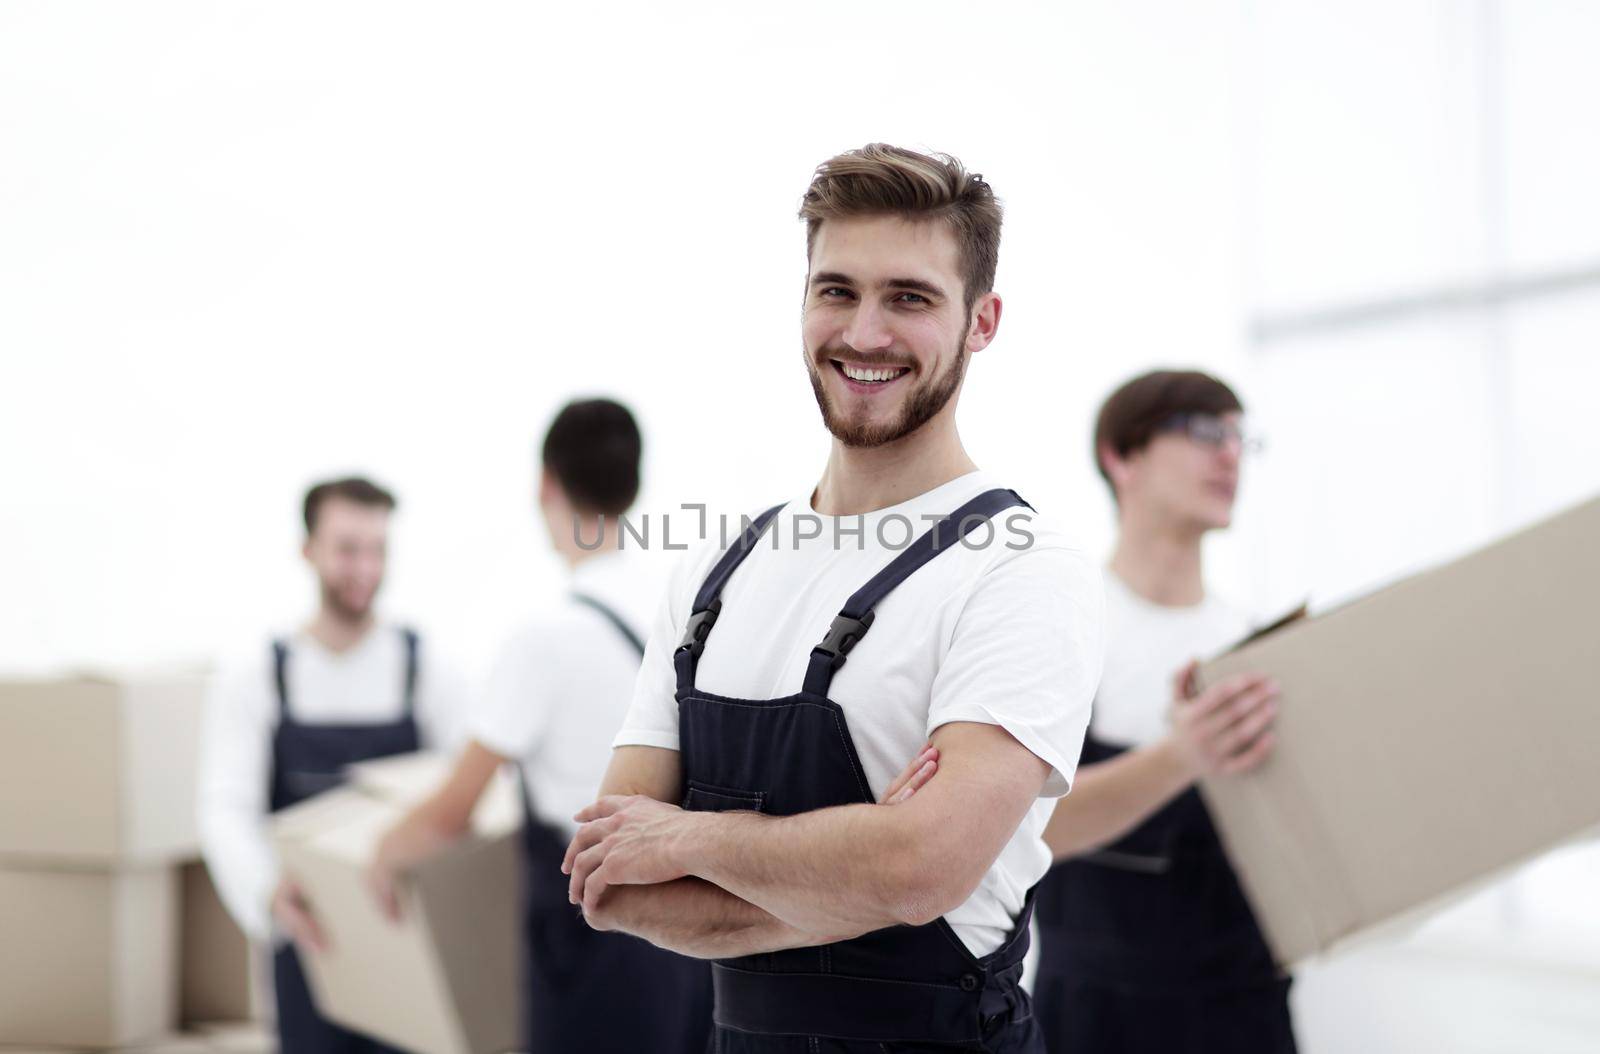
(88, 958)
(239, 1037)
(219, 978)
(1430, 734)
(99, 771)
(446, 980)
(175, 1044)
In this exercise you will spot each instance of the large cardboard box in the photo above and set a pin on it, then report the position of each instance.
(87, 958)
(248, 1037)
(219, 977)
(96, 770)
(1429, 735)
(175, 1044)
(445, 980)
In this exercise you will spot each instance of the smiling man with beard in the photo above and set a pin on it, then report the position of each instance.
(752, 813)
(282, 724)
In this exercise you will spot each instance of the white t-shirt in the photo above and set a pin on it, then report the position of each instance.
(365, 683)
(562, 683)
(1007, 633)
(1146, 645)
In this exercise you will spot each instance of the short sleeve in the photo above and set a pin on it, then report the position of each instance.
(511, 713)
(444, 694)
(1026, 654)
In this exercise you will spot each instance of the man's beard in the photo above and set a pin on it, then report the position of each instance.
(334, 602)
(918, 409)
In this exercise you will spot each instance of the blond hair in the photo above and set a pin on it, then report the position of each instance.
(880, 179)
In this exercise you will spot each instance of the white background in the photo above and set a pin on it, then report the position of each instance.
(246, 246)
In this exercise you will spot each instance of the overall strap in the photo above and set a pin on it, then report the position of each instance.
(855, 618)
(615, 619)
(708, 601)
(280, 664)
(637, 644)
(409, 700)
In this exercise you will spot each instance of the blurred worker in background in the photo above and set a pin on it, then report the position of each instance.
(1147, 943)
(282, 725)
(557, 697)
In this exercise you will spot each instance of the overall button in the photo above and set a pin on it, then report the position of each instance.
(969, 982)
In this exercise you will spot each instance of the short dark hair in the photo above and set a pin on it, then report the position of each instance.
(592, 448)
(1131, 415)
(358, 489)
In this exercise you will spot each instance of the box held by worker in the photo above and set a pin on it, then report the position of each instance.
(446, 979)
(1430, 734)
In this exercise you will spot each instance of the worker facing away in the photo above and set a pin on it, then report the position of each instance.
(554, 701)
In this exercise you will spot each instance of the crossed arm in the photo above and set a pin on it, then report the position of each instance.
(715, 884)
(686, 915)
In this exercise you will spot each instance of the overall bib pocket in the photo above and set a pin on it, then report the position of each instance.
(705, 797)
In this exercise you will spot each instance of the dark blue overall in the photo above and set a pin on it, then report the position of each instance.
(609, 993)
(904, 988)
(306, 760)
(1148, 945)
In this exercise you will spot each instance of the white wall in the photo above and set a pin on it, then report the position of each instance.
(247, 246)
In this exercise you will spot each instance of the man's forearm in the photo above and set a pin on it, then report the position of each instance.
(845, 871)
(1111, 798)
(830, 873)
(693, 917)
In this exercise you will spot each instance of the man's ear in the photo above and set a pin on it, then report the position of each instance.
(985, 322)
(1114, 465)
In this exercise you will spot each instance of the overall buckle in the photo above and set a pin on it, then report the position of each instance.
(699, 627)
(843, 635)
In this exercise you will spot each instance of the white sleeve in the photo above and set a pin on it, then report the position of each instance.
(1026, 654)
(511, 714)
(443, 698)
(232, 794)
(652, 719)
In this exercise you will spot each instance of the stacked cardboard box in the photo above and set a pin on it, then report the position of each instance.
(236, 1038)
(221, 976)
(96, 816)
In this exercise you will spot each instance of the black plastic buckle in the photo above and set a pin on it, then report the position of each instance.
(843, 635)
(699, 628)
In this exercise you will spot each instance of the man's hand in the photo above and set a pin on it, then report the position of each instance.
(624, 840)
(293, 912)
(414, 839)
(913, 776)
(1226, 729)
(636, 840)
(433, 824)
